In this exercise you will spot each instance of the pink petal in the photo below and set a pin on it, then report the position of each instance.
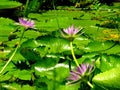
(65, 30)
(76, 31)
(84, 68)
(73, 76)
(79, 70)
(26, 23)
(72, 30)
(69, 31)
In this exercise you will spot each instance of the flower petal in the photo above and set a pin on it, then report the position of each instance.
(79, 70)
(73, 76)
(84, 68)
(26, 23)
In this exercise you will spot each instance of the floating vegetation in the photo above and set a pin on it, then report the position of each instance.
(50, 47)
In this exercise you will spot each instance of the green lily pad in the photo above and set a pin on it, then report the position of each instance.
(9, 4)
(110, 78)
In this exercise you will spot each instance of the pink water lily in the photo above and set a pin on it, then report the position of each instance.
(27, 23)
(71, 32)
(81, 71)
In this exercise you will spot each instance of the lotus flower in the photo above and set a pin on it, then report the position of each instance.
(27, 23)
(82, 71)
(71, 32)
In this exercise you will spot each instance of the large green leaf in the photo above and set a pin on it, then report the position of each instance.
(31, 34)
(22, 74)
(6, 27)
(9, 87)
(15, 86)
(45, 46)
(61, 71)
(47, 61)
(30, 43)
(30, 54)
(6, 74)
(106, 62)
(81, 42)
(55, 45)
(28, 87)
(97, 46)
(110, 78)
(11, 72)
(114, 50)
(52, 25)
(69, 87)
(54, 76)
(10, 66)
(88, 57)
(9, 4)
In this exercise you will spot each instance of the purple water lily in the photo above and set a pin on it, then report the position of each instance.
(71, 32)
(81, 71)
(27, 23)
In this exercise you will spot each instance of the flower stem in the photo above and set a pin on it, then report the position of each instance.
(89, 84)
(9, 59)
(13, 54)
(73, 54)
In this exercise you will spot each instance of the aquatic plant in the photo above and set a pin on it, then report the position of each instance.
(81, 74)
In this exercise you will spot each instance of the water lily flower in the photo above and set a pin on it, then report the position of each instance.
(81, 72)
(27, 23)
(71, 32)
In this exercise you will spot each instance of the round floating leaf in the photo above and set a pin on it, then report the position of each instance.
(9, 4)
(110, 78)
(30, 54)
(87, 57)
(97, 46)
(107, 62)
(81, 42)
(47, 61)
(31, 43)
(23, 74)
(69, 87)
(31, 34)
(114, 50)
(8, 87)
(55, 45)
(60, 71)
(6, 27)
(28, 87)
